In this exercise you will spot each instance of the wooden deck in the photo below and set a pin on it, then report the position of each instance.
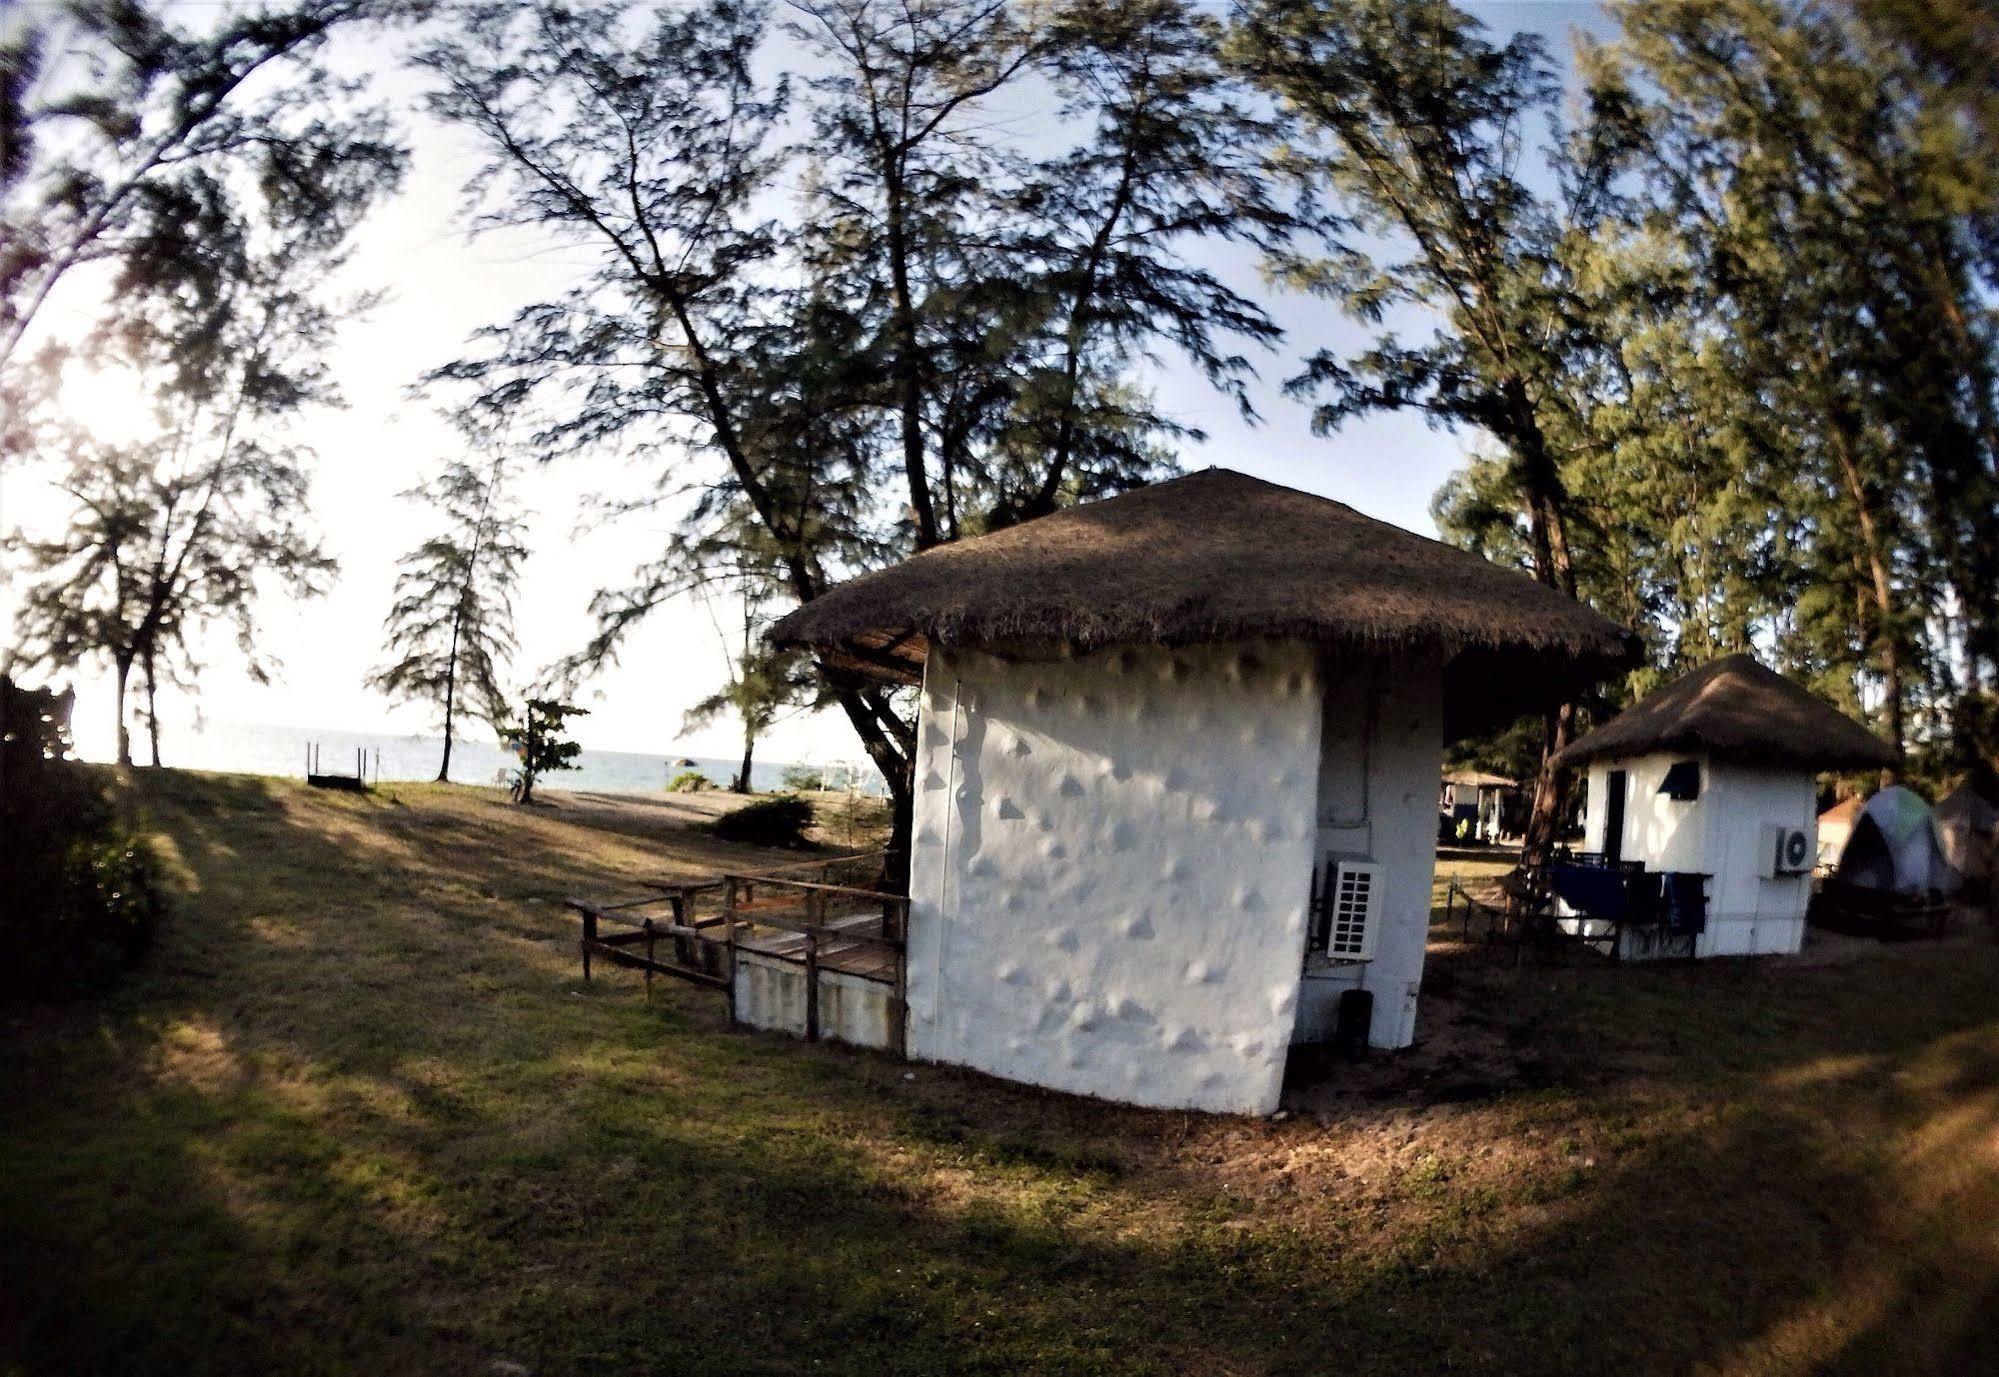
(870, 958)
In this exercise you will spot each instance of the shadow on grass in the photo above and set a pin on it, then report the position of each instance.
(362, 1116)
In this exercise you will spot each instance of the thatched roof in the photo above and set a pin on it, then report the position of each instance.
(1220, 556)
(1736, 710)
(1480, 779)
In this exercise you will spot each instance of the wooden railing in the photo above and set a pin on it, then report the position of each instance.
(819, 926)
(790, 914)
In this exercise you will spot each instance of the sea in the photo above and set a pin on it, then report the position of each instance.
(250, 748)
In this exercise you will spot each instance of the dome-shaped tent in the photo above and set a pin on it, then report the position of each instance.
(1895, 848)
(1968, 827)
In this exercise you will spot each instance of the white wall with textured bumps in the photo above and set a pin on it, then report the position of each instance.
(1111, 869)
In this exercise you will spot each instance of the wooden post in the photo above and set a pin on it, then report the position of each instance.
(649, 959)
(683, 951)
(589, 937)
(729, 931)
(812, 987)
(898, 1009)
(815, 915)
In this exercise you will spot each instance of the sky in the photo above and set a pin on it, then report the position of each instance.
(442, 285)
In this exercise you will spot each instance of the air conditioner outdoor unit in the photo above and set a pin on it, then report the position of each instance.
(1787, 850)
(1353, 910)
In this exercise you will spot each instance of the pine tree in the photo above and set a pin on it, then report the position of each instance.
(1410, 124)
(451, 629)
(765, 683)
(159, 548)
(857, 384)
(224, 324)
(1836, 214)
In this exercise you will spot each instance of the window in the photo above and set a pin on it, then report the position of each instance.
(1683, 781)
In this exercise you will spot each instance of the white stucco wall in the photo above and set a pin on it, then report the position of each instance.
(1112, 865)
(1381, 746)
(1720, 834)
(1663, 833)
(1749, 915)
(771, 994)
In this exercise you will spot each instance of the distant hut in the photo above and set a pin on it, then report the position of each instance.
(1175, 770)
(1715, 775)
(1490, 806)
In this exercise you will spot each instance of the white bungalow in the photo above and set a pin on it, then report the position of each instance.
(1491, 805)
(1715, 775)
(1176, 767)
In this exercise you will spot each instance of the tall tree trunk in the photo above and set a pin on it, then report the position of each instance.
(895, 757)
(124, 668)
(1888, 647)
(1544, 820)
(152, 710)
(1540, 485)
(450, 706)
(742, 784)
(909, 382)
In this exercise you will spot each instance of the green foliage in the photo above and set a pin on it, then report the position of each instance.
(451, 628)
(779, 820)
(944, 338)
(79, 901)
(1804, 421)
(1737, 362)
(689, 782)
(802, 777)
(766, 683)
(128, 135)
(537, 741)
(1410, 124)
(220, 309)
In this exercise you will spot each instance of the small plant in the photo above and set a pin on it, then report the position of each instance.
(779, 820)
(538, 742)
(689, 782)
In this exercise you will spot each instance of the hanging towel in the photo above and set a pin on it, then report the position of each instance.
(1589, 890)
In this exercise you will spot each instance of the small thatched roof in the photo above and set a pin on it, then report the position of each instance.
(1736, 710)
(1221, 556)
(1480, 779)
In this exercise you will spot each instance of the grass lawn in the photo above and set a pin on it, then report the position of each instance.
(361, 1114)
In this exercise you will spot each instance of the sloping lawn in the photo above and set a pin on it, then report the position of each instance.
(361, 1114)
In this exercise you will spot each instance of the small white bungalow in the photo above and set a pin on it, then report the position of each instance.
(1715, 775)
(1490, 807)
(1176, 766)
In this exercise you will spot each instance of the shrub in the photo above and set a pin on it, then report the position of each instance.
(779, 820)
(689, 782)
(78, 899)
